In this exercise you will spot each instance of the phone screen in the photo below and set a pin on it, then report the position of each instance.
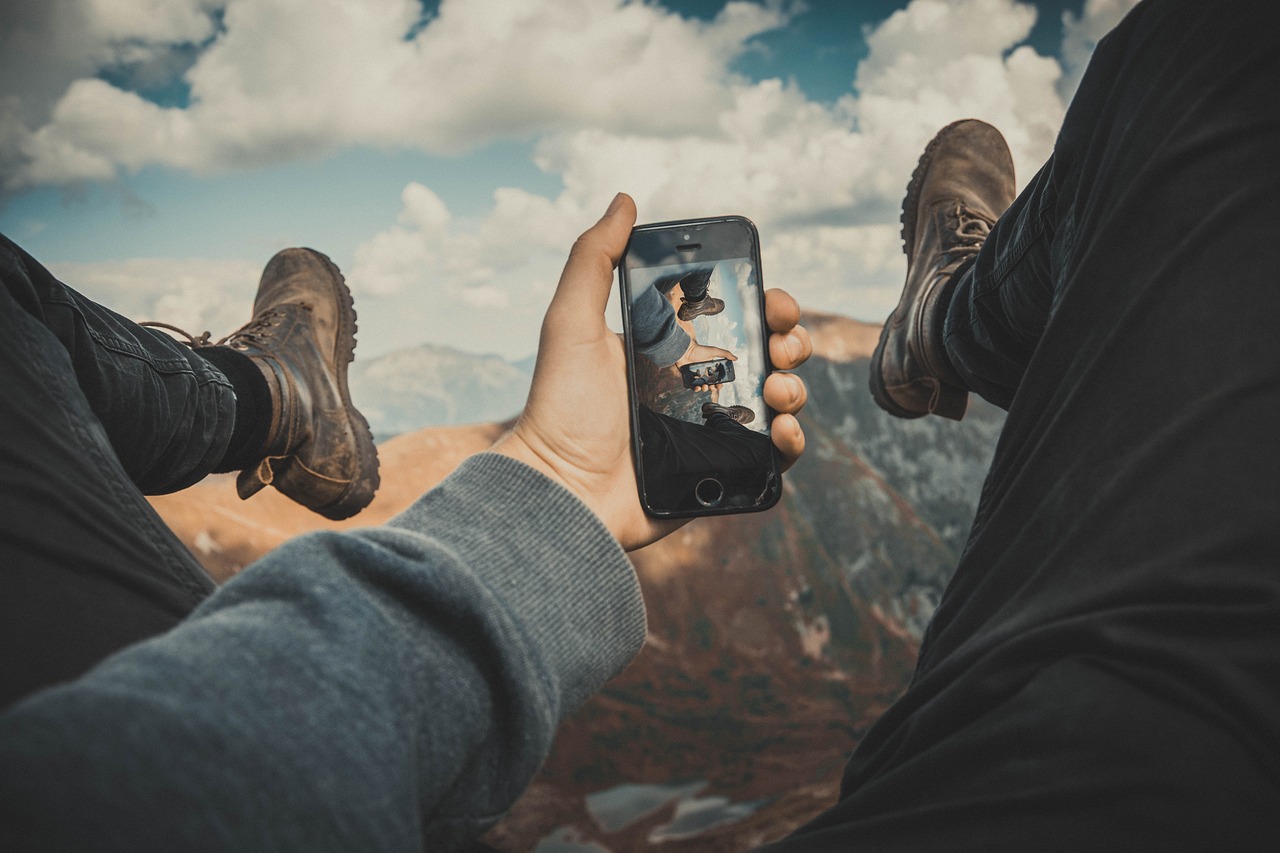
(707, 373)
(693, 307)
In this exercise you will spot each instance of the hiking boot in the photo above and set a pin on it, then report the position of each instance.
(741, 414)
(319, 451)
(706, 306)
(962, 184)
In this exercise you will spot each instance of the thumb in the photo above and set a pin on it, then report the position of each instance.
(718, 352)
(584, 285)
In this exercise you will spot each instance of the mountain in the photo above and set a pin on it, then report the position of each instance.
(775, 639)
(891, 500)
(435, 386)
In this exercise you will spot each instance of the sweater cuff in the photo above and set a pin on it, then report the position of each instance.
(549, 558)
(667, 351)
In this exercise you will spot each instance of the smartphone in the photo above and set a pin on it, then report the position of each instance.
(704, 373)
(704, 451)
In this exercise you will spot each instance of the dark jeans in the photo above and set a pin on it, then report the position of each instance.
(679, 454)
(1104, 670)
(693, 284)
(93, 409)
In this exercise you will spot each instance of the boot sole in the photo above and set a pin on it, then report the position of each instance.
(952, 402)
(364, 485)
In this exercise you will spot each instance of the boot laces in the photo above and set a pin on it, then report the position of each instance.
(971, 230)
(256, 332)
(187, 338)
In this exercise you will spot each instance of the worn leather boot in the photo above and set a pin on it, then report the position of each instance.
(318, 450)
(962, 184)
(706, 306)
(741, 414)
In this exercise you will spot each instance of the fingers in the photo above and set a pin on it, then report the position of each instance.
(789, 345)
(781, 311)
(703, 352)
(790, 349)
(721, 353)
(788, 438)
(785, 392)
(584, 285)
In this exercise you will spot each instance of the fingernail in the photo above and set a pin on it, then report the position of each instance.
(614, 205)
(797, 387)
(795, 348)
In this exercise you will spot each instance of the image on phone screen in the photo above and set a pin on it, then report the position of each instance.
(707, 374)
(698, 362)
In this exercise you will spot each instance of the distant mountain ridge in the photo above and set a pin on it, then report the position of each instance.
(891, 500)
(430, 385)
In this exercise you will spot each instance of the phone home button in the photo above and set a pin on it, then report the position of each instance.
(709, 492)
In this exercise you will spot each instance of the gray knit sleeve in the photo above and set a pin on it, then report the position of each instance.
(393, 688)
(654, 329)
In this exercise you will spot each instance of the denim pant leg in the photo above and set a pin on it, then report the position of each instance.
(92, 406)
(1103, 671)
(168, 412)
(678, 454)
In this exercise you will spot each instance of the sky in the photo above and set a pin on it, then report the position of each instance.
(154, 154)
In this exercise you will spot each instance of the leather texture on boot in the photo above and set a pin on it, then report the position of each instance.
(319, 450)
(706, 306)
(962, 184)
(741, 414)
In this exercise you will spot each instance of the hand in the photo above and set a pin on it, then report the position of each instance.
(697, 352)
(578, 434)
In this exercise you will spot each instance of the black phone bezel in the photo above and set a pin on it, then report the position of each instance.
(712, 246)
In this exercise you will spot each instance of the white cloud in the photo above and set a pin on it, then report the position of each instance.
(196, 295)
(1081, 34)
(289, 78)
(824, 183)
(47, 45)
(478, 286)
(618, 96)
(150, 21)
(935, 62)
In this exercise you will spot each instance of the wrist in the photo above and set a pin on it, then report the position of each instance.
(687, 355)
(539, 549)
(513, 446)
(611, 497)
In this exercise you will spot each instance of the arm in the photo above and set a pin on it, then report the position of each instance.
(393, 688)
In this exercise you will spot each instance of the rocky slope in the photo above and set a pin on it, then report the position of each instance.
(775, 640)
